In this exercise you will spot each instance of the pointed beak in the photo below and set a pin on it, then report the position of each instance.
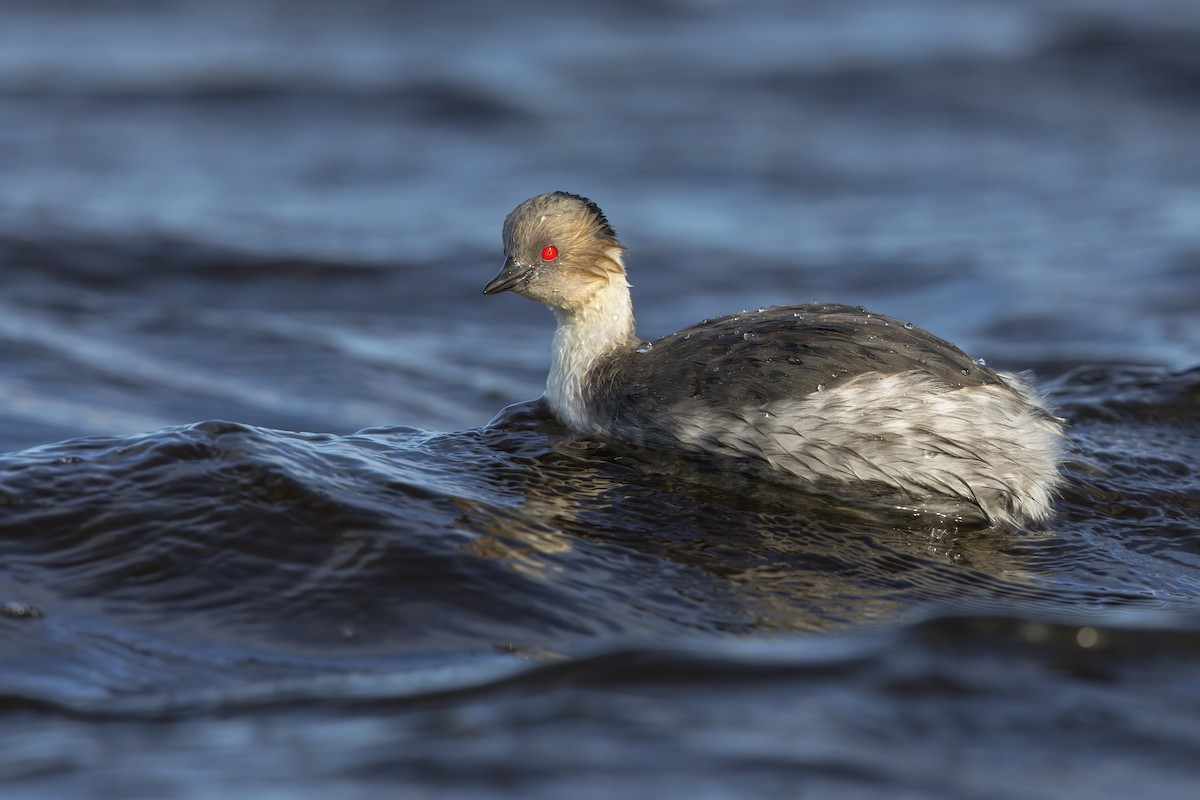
(512, 274)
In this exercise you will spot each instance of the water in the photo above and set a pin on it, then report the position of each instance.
(281, 215)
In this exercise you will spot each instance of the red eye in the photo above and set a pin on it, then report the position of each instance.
(549, 253)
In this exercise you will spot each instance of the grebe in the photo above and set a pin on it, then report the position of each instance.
(819, 396)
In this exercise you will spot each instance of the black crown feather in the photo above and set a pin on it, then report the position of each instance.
(605, 227)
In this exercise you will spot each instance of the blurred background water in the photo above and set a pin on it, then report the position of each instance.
(281, 214)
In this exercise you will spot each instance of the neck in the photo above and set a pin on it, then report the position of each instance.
(585, 337)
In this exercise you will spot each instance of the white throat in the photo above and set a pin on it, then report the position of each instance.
(585, 336)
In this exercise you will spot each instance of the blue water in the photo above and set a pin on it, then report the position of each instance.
(282, 214)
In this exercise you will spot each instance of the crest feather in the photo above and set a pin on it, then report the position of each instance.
(592, 208)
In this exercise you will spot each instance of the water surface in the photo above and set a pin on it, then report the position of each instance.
(258, 535)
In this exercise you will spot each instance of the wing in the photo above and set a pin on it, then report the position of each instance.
(784, 352)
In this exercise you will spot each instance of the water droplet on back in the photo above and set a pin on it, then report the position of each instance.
(908, 326)
(750, 336)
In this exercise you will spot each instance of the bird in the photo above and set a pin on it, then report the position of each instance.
(821, 397)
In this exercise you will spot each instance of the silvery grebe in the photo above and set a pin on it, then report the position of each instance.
(818, 396)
